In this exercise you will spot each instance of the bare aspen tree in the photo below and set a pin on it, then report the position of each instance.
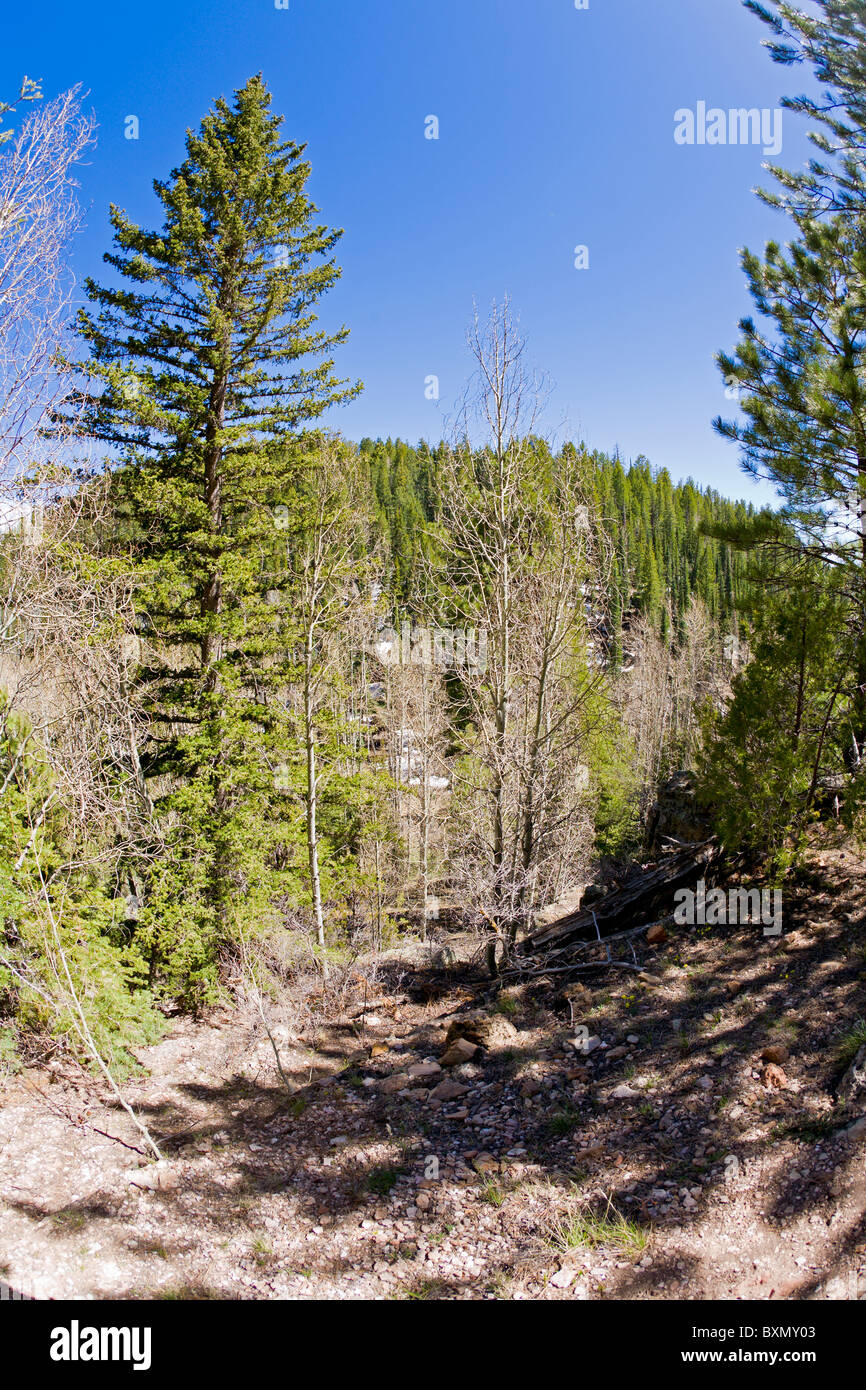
(485, 496)
(323, 588)
(67, 651)
(662, 695)
(67, 634)
(522, 558)
(417, 736)
(38, 215)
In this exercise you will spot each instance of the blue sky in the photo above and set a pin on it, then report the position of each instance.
(556, 129)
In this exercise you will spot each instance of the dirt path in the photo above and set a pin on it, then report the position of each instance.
(495, 1177)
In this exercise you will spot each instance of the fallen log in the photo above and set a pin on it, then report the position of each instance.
(624, 907)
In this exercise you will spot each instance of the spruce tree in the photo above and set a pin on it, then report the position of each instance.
(206, 365)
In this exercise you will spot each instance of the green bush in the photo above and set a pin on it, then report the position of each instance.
(65, 964)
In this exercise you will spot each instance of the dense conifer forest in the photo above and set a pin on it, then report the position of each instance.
(662, 557)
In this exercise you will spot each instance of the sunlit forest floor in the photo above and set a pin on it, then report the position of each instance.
(698, 1152)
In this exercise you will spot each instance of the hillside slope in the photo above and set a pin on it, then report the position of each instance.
(390, 1174)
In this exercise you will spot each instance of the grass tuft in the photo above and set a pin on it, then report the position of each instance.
(592, 1230)
(850, 1043)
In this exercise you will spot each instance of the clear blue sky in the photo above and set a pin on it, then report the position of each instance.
(556, 129)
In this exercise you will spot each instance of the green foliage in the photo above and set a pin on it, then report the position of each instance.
(612, 758)
(661, 554)
(603, 1229)
(254, 539)
(209, 366)
(788, 723)
(63, 949)
(799, 369)
(564, 1121)
(70, 962)
(10, 1060)
(382, 1180)
(830, 38)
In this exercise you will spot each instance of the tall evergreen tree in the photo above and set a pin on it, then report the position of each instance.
(206, 363)
(802, 373)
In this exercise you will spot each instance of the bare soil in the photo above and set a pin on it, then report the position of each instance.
(735, 1176)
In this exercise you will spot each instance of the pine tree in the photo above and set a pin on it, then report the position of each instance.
(803, 385)
(833, 43)
(807, 429)
(210, 365)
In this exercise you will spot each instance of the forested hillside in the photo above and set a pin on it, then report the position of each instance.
(271, 697)
(479, 820)
(661, 556)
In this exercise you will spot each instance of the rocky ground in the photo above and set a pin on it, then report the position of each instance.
(673, 1132)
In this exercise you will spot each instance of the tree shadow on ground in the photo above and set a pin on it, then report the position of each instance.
(335, 1151)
